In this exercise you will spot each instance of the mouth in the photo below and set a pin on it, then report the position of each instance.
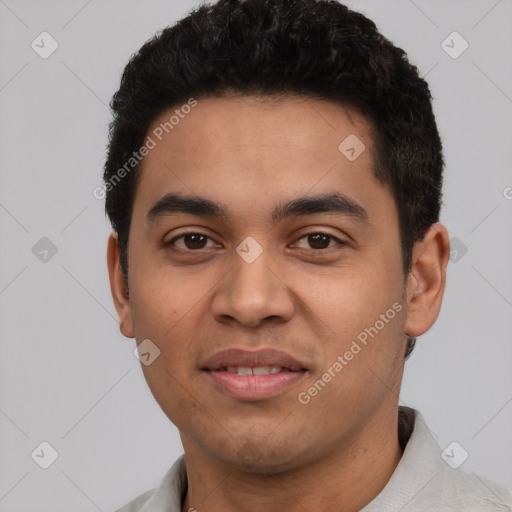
(253, 376)
(257, 370)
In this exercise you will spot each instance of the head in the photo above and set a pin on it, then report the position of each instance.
(295, 132)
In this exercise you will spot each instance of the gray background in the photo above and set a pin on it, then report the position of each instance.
(68, 377)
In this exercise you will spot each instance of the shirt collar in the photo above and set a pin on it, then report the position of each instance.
(420, 465)
(405, 484)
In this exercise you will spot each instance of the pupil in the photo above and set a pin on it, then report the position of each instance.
(195, 241)
(318, 239)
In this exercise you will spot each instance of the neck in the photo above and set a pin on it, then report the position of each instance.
(351, 476)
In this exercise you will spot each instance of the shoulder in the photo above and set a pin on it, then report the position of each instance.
(446, 488)
(424, 481)
(459, 490)
(166, 496)
(137, 504)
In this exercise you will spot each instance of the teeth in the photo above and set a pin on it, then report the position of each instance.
(259, 370)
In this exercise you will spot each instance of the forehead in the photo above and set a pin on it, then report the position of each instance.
(239, 124)
(249, 151)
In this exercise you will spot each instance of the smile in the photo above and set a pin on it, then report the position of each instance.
(252, 376)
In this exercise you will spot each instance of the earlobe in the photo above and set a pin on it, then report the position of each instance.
(118, 288)
(427, 279)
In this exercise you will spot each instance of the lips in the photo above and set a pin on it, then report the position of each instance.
(253, 375)
(245, 359)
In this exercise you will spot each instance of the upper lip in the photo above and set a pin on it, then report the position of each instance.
(251, 359)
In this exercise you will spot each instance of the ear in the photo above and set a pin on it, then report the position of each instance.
(427, 279)
(118, 288)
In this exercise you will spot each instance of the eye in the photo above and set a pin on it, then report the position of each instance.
(320, 241)
(190, 241)
(195, 241)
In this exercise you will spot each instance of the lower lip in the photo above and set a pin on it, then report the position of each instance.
(254, 387)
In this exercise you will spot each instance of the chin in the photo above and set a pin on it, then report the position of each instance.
(260, 457)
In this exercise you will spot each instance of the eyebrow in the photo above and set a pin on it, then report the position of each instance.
(333, 203)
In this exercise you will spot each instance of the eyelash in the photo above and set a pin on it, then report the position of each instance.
(327, 249)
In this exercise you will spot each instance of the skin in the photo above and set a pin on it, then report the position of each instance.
(251, 154)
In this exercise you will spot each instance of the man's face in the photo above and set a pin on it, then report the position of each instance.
(307, 282)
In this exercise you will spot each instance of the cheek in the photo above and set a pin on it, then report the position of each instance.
(163, 301)
(362, 367)
(346, 301)
(360, 316)
(168, 317)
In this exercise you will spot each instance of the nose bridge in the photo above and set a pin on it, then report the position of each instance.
(254, 279)
(252, 291)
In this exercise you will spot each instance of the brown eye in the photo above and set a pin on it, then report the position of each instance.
(190, 241)
(194, 241)
(319, 241)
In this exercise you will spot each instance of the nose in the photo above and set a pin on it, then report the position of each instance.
(253, 293)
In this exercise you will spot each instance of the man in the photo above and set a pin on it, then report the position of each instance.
(274, 184)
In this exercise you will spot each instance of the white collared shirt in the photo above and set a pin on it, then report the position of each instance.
(421, 482)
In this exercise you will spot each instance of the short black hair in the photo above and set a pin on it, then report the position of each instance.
(317, 49)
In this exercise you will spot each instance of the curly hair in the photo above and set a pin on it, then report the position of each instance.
(313, 48)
